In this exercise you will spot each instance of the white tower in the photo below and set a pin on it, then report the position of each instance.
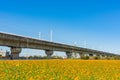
(85, 44)
(51, 35)
(39, 35)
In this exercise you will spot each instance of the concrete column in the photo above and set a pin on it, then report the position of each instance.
(110, 57)
(81, 55)
(15, 52)
(69, 54)
(49, 53)
(102, 56)
(99, 56)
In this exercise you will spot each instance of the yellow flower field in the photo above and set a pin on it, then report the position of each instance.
(60, 70)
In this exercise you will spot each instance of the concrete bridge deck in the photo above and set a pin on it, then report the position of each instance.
(16, 43)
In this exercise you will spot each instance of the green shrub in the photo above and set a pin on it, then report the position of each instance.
(85, 57)
(96, 57)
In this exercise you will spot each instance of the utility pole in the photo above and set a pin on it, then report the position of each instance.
(39, 35)
(51, 35)
(100, 48)
(75, 54)
(85, 44)
(27, 47)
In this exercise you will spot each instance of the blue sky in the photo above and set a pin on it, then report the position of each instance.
(95, 21)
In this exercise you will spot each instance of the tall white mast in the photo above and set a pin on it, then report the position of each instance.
(75, 54)
(27, 50)
(75, 43)
(51, 35)
(85, 44)
(39, 35)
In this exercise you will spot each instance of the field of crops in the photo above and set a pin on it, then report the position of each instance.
(60, 70)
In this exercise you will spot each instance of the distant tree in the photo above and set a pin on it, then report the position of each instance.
(108, 58)
(96, 57)
(116, 57)
(0, 56)
(44, 57)
(30, 57)
(85, 57)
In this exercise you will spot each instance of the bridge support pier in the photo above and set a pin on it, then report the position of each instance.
(49, 53)
(69, 55)
(15, 52)
(81, 55)
(101, 56)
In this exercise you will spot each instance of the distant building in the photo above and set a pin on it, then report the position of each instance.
(4, 53)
